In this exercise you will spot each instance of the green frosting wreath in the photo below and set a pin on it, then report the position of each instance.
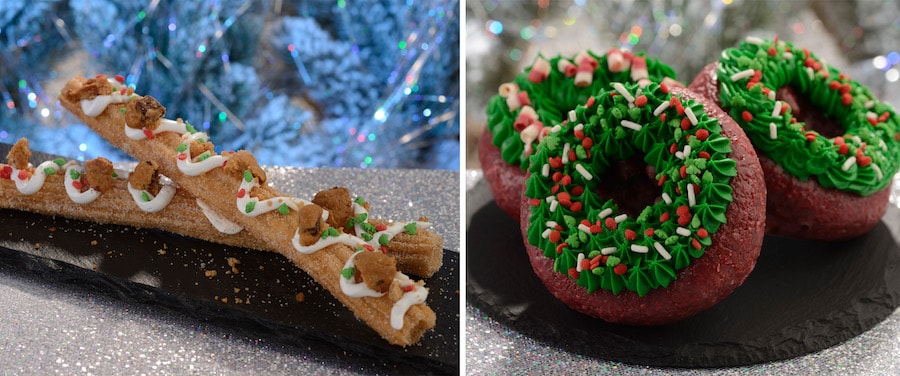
(589, 237)
(551, 88)
(863, 160)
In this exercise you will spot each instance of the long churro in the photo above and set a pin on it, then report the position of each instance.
(293, 227)
(139, 198)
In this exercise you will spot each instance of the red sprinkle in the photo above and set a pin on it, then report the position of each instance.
(772, 51)
(810, 136)
(535, 202)
(611, 223)
(577, 191)
(587, 143)
(662, 117)
(663, 217)
(241, 193)
(683, 220)
(576, 207)
(630, 235)
(76, 184)
(380, 227)
(585, 264)
(566, 180)
(662, 180)
(590, 102)
(673, 148)
(649, 232)
(409, 288)
(664, 88)
(702, 134)
(747, 116)
(682, 210)
(564, 199)
(845, 89)
(864, 160)
(559, 248)
(554, 236)
(182, 156)
(846, 99)
(23, 174)
(120, 78)
(695, 243)
(573, 273)
(579, 134)
(640, 101)
(834, 85)
(685, 124)
(683, 171)
(6, 172)
(555, 189)
(703, 154)
(557, 176)
(620, 269)
(149, 133)
(556, 162)
(701, 232)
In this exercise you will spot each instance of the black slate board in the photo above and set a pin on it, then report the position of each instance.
(156, 267)
(802, 297)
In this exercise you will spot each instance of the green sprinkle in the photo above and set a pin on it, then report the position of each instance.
(145, 196)
(59, 161)
(367, 227)
(613, 261)
(284, 209)
(203, 157)
(250, 206)
(115, 175)
(360, 201)
(74, 174)
(122, 110)
(410, 228)
(362, 218)
(593, 254)
(365, 236)
(190, 128)
(384, 239)
(598, 271)
(49, 171)
(248, 177)
(348, 273)
(331, 231)
(181, 148)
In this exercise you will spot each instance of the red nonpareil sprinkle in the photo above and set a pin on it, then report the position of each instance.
(834, 85)
(863, 160)
(620, 269)
(555, 162)
(664, 88)
(695, 243)
(703, 154)
(649, 232)
(747, 116)
(576, 207)
(6, 172)
(384, 249)
(785, 107)
(241, 193)
(611, 223)
(702, 233)
(872, 121)
(149, 133)
(673, 148)
(846, 99)
(120, 78)
(897, 136)
(77, 184)
(682, 210)
(555, 189)
(810, 136)
(559, 248)
(535, 202)
(557, 176)
(595, 262)
(630, 235)
(100, 76)
(604, 259)
(577, 191)
(572, 155)
(640, 101)
(585, 264)
(590, 102)
(663, 217)
(678, 107)
(586, 222)
(683, 220)
(573, 273)
(24, 175)
(596, 229)
(757, 75)
(182, 156)
(845, 89)
(685, 124)
(409, 288)
(683, 171)
(554, 236)
(579, 134)
(564, 198)
(369, 248)
(702, 134)
(884, 116)
(662, 117)
(662, 180)
(566, 180)
(772, 51)
(380, 227)
(587, 143)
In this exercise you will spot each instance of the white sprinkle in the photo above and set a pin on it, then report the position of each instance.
(679, 154)
(877, 171)
(637, 248)
(787, 55)
(690, 115)
(605, 213)
(724, 55)
(578, 262)
(662, 251)
(773, 131)
(692, 200)
(687, 150)
(621, 217)
(550, 223)
(666, 198)
(776, 112)
(584, 228)
(565, 153)
(555, 128)
(871, 115)
(546, 233)
(754, 40)
(848, 163)
(553, 205)
(857, 139)
(608, 251)
(812, 75)
(742, 75)
(584, 172)
(869, 104)
(882, 144)
(572, 116)
(579, 127)
(771, 95)
(662, 107)
(550, 198)
(621, 89)
(631, 125)
(545, 170)
(682, 231)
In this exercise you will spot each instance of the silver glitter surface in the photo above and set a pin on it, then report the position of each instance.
(493, 348)
(53, 328)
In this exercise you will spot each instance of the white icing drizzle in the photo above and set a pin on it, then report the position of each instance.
(409, 299)
(264, 206)
(156, 203)
(219, 222)
(76, 194)
(355, 289)
(391, 231)
(33, 183)
(94, 107)
(165, 125)
(195, 166)
(343, 238)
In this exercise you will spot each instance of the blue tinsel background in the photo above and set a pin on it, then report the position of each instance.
(371, 83)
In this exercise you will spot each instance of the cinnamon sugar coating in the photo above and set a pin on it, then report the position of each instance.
(376, 269)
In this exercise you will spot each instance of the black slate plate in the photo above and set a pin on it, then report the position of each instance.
(156, 267)
(802, 297)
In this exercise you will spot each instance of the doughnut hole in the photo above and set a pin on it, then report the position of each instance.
(805, 111)
(631, 184)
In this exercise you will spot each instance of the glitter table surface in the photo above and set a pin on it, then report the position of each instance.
(63, 329)
(493, 348)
